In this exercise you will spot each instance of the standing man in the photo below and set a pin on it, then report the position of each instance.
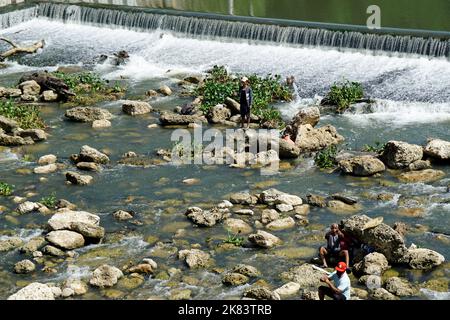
(339, 289)
(246, 99)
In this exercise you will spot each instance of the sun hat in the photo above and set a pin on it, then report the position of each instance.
(341, 267)
(244, 79)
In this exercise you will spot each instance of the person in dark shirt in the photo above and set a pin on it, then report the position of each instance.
(245, 100)
(336, 245)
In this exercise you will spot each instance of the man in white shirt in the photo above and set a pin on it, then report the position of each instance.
(339, 289)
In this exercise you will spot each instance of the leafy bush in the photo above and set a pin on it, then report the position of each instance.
(49, 201)
(326, 157)
(6, 189)
(234, 239)
(27, 117)
(342, 95)
(82, 82)
(378, 147)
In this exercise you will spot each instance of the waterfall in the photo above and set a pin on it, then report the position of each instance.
(296, 93)
(205, 27)
(13, 18)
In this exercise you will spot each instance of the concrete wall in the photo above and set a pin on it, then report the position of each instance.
(4, 3)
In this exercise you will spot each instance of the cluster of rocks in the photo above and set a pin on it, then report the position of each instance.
(414, 161)
(12, 135)
(89, 159)
(29, 91)
(98, 117)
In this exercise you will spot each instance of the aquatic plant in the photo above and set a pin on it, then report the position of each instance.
(6, 189)
(378, 147)
(27, 117)
(234, 239)
(49, 201)
(343, 94)
(326, 158)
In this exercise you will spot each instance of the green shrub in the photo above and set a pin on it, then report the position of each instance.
(234, 239)
(6, 189)
(378, 147)
(326, 158)
(343, 94)
(27, 117)
(82, 82)
(49, 201)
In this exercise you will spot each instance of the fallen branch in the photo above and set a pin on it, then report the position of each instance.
(17, 49)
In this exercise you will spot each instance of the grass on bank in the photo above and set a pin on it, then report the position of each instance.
(219, 85)
(343, 94)
(27, 117)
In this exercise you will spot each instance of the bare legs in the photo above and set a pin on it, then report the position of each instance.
(343, 253)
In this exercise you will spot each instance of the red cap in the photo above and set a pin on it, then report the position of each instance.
(341, 266)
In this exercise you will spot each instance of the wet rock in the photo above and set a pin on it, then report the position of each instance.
(399, 154)
(419, 165)
(47, 159)
(24, 266)
(89, 231)
(288, 289)
(243, 198)
(122, 215)
(438, 149)
(316, 200)
(195, 258)
(309, 115)
(65, 239)
(270, 196)
(261, 293)
(165, 90)
(32, 245)
(87, 114)
(225, 204)
(170, 118)
(423, 259)
(235, 279)
(105, 276)
(284, 207)
(10, 92)
(53, 251)
(8, 125)
(233, 105)
(10, 244)
(264, 239)
(287, 150)
(151, 262)
(281, 224)
(310, 295)
(382, 294)
(7, 140)
(191, 181)
(361, 165)
(78, 179)
(143, 268)
(219, 113)
(31, 88)
(302, 210)
(88, 166)
(49, 96)
(427, 175)
(68, 219)
(206, 218)
(62, 203)
(27, 207)
(400, 287)
(246, 270)
(345, 199)
(134, 108)
(180, 294)
(310, 139)
(372, 264)
(101, 124)
(237, 226)
(341, 207)
(49, 168)
(288, 199)
(269, 215)
(383, 238)
(34, 134)
(34, 291)
(267, 157)
(244, 212)
(401, 228)
(88, 154)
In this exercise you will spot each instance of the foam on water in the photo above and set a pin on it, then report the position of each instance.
(435, 295)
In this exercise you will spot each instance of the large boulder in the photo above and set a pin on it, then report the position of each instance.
(438, 149)
(372, 264)
(105, 276)
(65, 219)
(424, 259)
(309, 139)
(89, 154)
(65, 239)
(195, 258)
(170, 118)
(264, 239)
(30, 87)
(399, 154)
(87, 114)
(287, 149)
(361, 165)
(134, 108)
(219, 113)
(310, 115)
(382, 238)
(206, 218)
(34, 291)
(400, 287)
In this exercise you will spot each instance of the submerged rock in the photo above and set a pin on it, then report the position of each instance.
(105, 276)
(87, 114)
(399, 154)
(427, 175)
(34, 291)
(419, 165)
(361, 165)
(122, 215)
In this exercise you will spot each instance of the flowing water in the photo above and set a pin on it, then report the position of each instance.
(412, 104)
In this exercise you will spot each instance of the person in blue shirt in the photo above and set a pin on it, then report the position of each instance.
(338, 284)
(245, 100)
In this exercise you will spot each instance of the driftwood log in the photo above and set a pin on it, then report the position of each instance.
(18, 49)
(49, 82)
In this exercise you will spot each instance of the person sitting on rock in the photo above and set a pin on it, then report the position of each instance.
(335, 246)
(339, 289)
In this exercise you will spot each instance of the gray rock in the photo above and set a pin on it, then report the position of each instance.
(423, 259)
(88, 154)
(10, 92)
(27, 207)
(105, 276)
(30, 88)
(34, 291)
(287, 150)
(419, 165)
(76, 178)
(65, 239)
(165, 90)
(206, 218)
(399, 154)
(235, 279)
(49, 96)
(261, 293)
(233, 105)
(101, 124)
(89, 231)
(438, 149)
(400, 287)
(264, 239)
(237, 226)
(11, 141)
(122, 215)
(316, 200)
(88, 166)
(270, 196)
(49, 168)
(382, 294)
(47, 159)
(269, 215)
(195, 258)
(53, 251)
(362, 166)
(305, 275)
(169, 118)
(32, 245)
(281, 224)
(87, 114)
(246, 270)
(67, 218)
(10, 244)
(372, 264)
(288, 289)
(134, 108)
(310, 115)
(311, 139)
(7, 124)
(243, 198)
(245, 212)
(24, 266)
